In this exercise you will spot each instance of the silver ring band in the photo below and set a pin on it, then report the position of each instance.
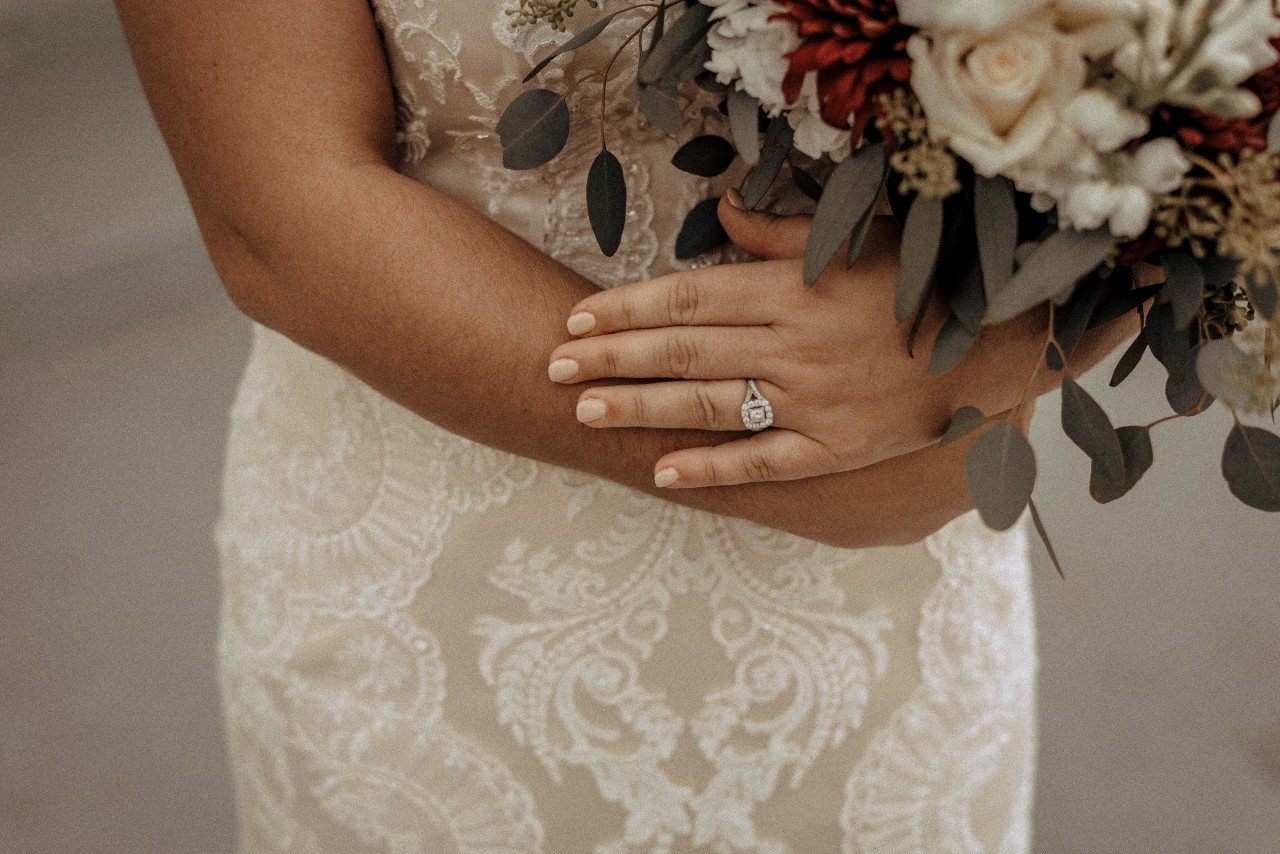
(757, 413)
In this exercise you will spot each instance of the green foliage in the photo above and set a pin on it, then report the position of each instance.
(534, 129)
(1001, 471)
(607, 201)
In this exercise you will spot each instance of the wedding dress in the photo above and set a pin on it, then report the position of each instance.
(431, 646)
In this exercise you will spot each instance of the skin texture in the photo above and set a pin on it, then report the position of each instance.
(280, 120)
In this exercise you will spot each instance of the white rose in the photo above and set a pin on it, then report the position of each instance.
(750, 50)
(997, 99)
(980, 16)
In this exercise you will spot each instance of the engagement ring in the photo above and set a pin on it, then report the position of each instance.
(757, 414)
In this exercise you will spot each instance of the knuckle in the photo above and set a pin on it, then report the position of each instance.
(682, 300)
(639, 411)
(609, 361)
(705, 409)
(681, 355)
(627, 312)
(757, 467)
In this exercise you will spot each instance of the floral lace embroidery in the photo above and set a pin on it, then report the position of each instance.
(790, 643)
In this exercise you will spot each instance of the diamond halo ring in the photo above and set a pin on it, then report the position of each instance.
(757, 414)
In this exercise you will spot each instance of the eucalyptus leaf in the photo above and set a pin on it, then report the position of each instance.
(1168, 343)
(744, 121)
(1001, 471)
(918, 323)
(995, 216)
(1062, 260)
(690, 66)
(679, 40)
(1273, 134)
(661, 108)
(607, 201)
(969, 300)
(921, 239)
(860, 231)
(1135, 445)
(701, 231)
(965, 421)
(1216, 365)
(534, 129)
(777, 144)
(1183, 286)
(586, 36)
(708, 82)
(954, 341)
(659, 25)
(806, 183)
(1087, 425)
(1187, 396)
(705, 156)
(1219, 269)
(849, 193)
(1251, 466)
(1069, 323)
(1130, 360)
(1118, 305)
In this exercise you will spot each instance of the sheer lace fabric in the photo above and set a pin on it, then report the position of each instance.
(432, 646)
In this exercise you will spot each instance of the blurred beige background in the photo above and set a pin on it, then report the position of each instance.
(1160, 689)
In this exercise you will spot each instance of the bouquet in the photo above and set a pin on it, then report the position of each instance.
(1037, 152)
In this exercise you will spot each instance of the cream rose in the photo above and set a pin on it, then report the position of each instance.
(997, 99)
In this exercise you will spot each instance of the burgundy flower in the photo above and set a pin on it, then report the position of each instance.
(858, 48)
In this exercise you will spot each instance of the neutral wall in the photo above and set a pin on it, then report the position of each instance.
(1160, 690)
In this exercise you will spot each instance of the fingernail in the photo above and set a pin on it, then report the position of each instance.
(591, 410)
(666, 478)
(581, 323)
(735, 199)
(562, 370)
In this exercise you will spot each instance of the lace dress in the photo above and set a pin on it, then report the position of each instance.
(431, 646)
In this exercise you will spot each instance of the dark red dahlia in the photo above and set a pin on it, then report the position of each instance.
(858, 48)
(1211, 133)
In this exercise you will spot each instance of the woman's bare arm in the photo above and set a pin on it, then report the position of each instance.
(280, 119)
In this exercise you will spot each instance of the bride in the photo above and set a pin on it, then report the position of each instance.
(483, 590)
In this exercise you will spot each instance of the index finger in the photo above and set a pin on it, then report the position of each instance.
(726, 295)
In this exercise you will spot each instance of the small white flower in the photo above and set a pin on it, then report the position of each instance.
(1103, 122)
(1125, 207)
(1236, 46)
(1159, 166)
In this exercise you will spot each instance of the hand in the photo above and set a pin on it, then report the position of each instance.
(831, 360)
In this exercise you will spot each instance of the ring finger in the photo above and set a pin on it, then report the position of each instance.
(684, 405)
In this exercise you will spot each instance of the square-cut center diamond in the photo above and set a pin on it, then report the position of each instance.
(757, 413)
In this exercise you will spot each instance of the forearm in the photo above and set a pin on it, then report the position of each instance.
(453, 317)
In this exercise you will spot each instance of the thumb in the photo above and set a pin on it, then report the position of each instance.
(765, 235)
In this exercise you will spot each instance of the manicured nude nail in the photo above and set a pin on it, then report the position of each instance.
(562, 370)
(591, 410)
(581, 323)
(666, 478)
(735, 199)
